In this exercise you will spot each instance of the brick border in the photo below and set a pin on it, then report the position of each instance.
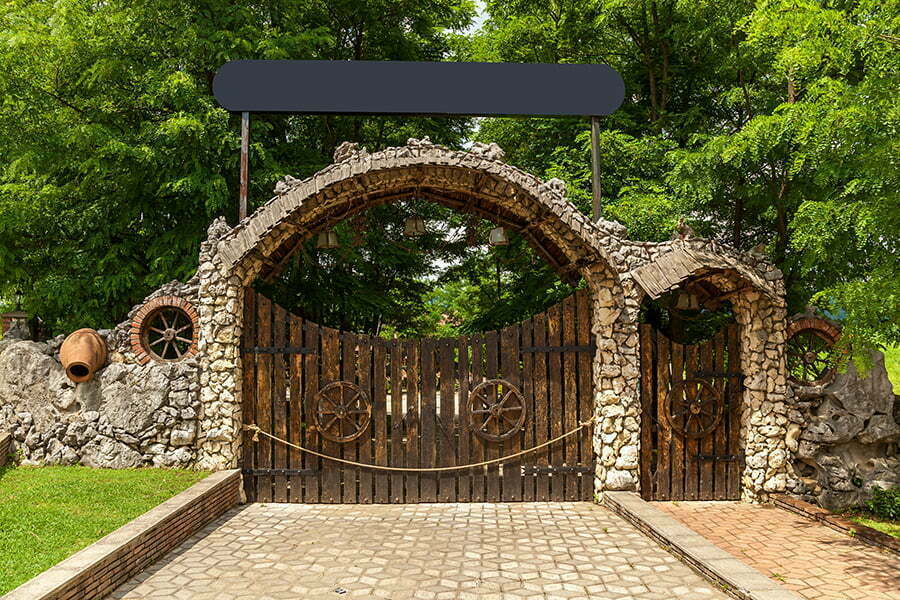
(103, 566)
(862, 533)
(735, 578)
(148, 309)
(5, 447)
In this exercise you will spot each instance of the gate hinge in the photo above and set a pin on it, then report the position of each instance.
(721, 457)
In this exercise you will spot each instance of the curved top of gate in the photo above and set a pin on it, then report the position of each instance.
(475, 181)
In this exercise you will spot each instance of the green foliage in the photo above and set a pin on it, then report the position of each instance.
(885, 504)
(49, 513)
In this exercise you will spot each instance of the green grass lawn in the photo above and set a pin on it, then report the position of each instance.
(892, 362)
(888, 527)
(48, 513)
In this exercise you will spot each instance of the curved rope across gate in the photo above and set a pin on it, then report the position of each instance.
(257, 431)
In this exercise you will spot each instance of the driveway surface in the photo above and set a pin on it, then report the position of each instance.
(419, 551)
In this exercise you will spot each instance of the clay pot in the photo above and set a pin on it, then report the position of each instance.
(82, 354)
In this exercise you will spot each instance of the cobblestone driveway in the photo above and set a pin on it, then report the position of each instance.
(422, 551)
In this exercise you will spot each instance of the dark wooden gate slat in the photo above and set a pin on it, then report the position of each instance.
(570, 396)
(331, 372)
(691, 464)
(526, 336)
(379, 419)
(555, 380)
(477, 450)
(720, 474)
(248, 365)
(349, 450)
(365, 442)
(397, 427)
(664, 432)
(312, 440)
(541, 407)
(446, 429)
(491, 349)
(585, 390)
(295, 417)
(734, 400)
(279, 404)
(462, 456)
(428, 452)
(706, 443)
(264, 397)
(413, 438)
(677, 351)
(647, 391)
(511, 371)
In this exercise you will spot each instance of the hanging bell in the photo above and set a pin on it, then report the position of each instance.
(414, 226)
(328, 240)
(498, 237)
(687, 301)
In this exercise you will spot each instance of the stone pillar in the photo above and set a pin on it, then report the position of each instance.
(220, 309)
(616, 440)
(764, 415)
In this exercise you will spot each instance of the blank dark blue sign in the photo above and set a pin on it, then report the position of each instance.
(424, 88)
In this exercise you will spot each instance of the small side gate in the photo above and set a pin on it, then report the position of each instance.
(690, 425)
(417, 403)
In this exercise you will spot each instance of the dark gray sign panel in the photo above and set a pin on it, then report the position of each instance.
(426, 88)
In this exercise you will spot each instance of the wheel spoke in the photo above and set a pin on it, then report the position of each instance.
(330, 423)
(162, 316)
(158, 340)
(181, 339)
(159, 331)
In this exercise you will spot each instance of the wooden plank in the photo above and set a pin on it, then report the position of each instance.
(397, 424)
(413, 350)
(555, 381)
(349, 450)
(677, 440)
(464, 478)
(647, 390)
(248, 365)
(491, 349)
(720, 486)
(663, 487)
(585, 390)
(331, 372)
(477, 450)
(526, 332)
(736, 403)
(428, 451)
(511, 371)
(279, 404)
(264, 397)
(379, 419)
(312, 439)
(541, 407)
(570, 396)
(364, 443)
(295, 407)
(446, 430)
(691, 444)
(706, 443)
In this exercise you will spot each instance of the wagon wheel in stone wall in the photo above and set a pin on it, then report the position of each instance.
(343, 411)
(165, 329)
(810, 351)
(496, 410)
(693, 408)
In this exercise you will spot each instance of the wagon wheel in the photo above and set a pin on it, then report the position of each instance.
(810, 358)
(497, 402)
(168, 333)
(693, 408)
(343, 411)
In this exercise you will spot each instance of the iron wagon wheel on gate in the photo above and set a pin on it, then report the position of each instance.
(343, 411)
(693, 408)
(499, 402)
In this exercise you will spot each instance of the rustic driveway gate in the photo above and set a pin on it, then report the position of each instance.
(417, 403)
(690, 421)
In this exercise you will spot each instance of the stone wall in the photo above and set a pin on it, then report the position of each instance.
(129, 415)
(844, 437)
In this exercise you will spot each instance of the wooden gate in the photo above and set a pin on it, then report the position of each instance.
(417, 403)
(690, 425)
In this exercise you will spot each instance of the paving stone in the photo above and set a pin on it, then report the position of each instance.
(534, 551)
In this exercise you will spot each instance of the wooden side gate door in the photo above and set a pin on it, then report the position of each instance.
(690, 425)
(417, 403)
